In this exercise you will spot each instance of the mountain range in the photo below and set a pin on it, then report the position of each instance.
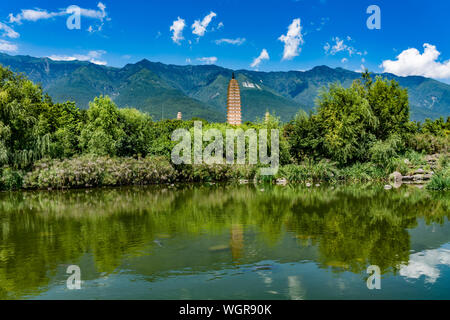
(200, 91)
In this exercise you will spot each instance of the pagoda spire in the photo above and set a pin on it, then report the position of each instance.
(234, 116)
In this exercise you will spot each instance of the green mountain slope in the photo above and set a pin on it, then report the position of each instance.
(163, 90)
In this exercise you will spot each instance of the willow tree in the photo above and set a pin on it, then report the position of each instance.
(347, 123)
(21, 104)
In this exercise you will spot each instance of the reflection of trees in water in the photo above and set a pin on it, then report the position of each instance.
(237, 242)
(352, 226)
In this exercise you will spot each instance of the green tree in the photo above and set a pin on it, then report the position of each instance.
(390, 104)
(347, 123)
(304, 137)
(21, 104)
(64, 122)
(103, 132)
(138, 133)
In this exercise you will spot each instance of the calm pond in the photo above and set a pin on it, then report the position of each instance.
(226, 242)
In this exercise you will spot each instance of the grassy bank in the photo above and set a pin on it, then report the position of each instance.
(102, 171)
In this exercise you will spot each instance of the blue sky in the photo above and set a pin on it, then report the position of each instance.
(285, 34)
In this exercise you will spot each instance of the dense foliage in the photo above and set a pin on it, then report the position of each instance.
(362, 130)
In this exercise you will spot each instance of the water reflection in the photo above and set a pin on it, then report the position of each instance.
(159, 234)
(426, 263)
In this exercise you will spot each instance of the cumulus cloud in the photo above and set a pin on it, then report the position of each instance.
(177, 28)
(426, 264)
(37, 14)
(344, 60)
(237, 41)
(41, 14)
(6, 46)
(263, 56)
(199, 27)
(8, 31)
(208, 60)
(32, 15)
(292, 40)
(412, 63)
(92, 56)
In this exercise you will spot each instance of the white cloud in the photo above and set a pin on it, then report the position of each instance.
(292, 40)
(94, 14)
(340, 46)
(32, 15)
(208, 60)
(177, 28)
(100, 14)
(41, 14)
(263, 56)
(199, 27)
(237, 41)
(37, 14)
(220, 25)
(426, 264)
(8, 31)
(412, 63)
(6, 46)
(92, 57)
(344, 60)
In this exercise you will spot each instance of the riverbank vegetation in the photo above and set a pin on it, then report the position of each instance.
(360, 133)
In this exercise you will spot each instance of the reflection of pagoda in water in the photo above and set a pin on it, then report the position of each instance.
(234, 103)
(237, 242)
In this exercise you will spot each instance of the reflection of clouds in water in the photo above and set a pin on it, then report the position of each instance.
(425, 263)
(341, 284)
(296, 292)
(266, 277)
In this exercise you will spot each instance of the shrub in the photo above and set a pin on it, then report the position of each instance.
(90, 171)
(382, 152)
(440, 181)
(428, 143)
(362, 172)
(10, 179)
(215, 172)
(397, 164)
